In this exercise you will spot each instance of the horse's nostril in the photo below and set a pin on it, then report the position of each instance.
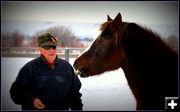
(84, 69)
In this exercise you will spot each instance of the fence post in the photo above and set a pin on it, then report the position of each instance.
(67, 54)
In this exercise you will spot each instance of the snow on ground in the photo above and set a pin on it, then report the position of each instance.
(108, 91)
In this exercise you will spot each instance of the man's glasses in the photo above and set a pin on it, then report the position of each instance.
(47, 47)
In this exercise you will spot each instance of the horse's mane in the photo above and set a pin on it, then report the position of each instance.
(144, 40)
(152, 35)
(119, 32)
(147, 35)
(145, 48)
(104, 25)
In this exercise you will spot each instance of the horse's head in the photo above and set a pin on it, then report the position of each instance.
(106, 52)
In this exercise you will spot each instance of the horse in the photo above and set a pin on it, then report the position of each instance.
(149, 64)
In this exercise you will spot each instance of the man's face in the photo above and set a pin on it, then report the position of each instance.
(49, 52)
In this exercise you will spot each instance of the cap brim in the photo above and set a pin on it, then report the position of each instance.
(48, 43)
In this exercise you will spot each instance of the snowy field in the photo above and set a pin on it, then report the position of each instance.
(108, 91)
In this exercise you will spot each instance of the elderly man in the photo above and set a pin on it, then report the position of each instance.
(47, 82)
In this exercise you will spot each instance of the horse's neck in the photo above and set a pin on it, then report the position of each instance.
(133, 79)
(147, 61)
(130, 72)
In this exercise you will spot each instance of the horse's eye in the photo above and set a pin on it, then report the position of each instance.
(107, 34)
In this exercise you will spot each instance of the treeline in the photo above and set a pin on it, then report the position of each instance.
(64, 35)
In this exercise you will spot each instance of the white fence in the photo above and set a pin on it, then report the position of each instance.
(34, 52)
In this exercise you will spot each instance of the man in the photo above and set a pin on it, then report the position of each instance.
(47, 82)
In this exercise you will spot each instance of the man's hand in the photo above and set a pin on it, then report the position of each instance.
(38, 104)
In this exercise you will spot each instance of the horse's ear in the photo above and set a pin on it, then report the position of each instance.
(118, 18)
(109, 18)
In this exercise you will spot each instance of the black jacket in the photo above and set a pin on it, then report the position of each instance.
(58, 89)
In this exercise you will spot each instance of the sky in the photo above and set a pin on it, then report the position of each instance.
(151, 12)
(84, 17)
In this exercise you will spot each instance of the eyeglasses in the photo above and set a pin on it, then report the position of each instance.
(47, 47)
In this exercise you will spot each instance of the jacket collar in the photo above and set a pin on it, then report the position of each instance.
(42, 58)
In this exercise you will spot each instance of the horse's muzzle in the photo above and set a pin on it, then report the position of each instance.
(82, 72)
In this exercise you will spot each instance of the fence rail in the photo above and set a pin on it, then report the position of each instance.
(34, 52)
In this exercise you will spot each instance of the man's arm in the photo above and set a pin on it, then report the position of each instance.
(75, 95)
(21, 89)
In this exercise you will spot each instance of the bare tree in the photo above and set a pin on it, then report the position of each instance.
(64, 35)
(14, 39)
(18, 39)
(33, 41)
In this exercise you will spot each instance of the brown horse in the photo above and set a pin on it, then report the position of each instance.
(150, 66)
